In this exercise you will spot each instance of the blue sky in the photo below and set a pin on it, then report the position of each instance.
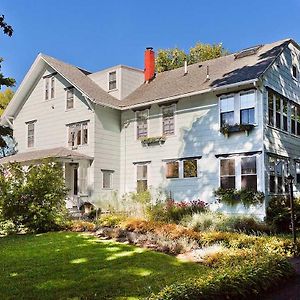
(96, 34)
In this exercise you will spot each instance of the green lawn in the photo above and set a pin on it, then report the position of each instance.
(68, 265)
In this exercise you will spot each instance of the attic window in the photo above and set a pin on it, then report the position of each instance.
(247, 52)
(112, 80)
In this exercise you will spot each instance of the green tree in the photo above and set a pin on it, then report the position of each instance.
(33, 197)
(169, 59)
(5, 97)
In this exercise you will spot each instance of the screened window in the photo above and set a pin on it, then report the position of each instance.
(78, 134)
(168, 119)
(271, 108)
(112, 80)
(142, 123)
(227, 111)
(70, 98)
(248, 171)
(172, 169)
(278, 111)
(227, 173)
(30, 134)
(190, 168)
(247, 111)
(142, 178)
(107, 177)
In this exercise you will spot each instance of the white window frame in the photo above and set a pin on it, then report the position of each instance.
(110, 173)
(180, 162)
(27, 134)
(174, 119)
(81, 124)
(136, 165)
(249, 107)
(223, 97)
(72, 90)
(136, 123)
(52, 86)
(109, 81)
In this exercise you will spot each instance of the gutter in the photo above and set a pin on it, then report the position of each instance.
(213, 89)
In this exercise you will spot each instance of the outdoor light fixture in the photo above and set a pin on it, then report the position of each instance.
(290, 180)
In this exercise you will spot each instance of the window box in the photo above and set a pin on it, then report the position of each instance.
(147, 141)
(228, 129)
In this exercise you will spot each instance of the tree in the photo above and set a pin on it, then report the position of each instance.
(5, 97)
(169, 59)
(7, 29)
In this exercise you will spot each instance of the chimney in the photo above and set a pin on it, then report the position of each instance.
(149, 70)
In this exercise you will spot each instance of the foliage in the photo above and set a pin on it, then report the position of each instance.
(80, 226)
(5, 97)
(169, 59)
(7, 29)
(241, 282)
(33, 197)
(111, 220)
(216, 221)
(226, 129)
(233, 197)
(153, 140)
(171, 211)
(279, 213)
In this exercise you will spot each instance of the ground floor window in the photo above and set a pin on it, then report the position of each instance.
(248, 171)
(182, 168)
(142, 177)
(172, 169)
(227, 173)
(107, 179)
(278, 171)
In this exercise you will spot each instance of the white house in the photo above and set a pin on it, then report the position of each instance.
(233, 122)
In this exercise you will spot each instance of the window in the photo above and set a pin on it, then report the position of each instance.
(70, 98)
(107, 176)
(112, 80)
(285, 114)
(142, 181)
(295, 71)
(142, 123)
(298, 119)
(278, 111)
(297, 172)
(293, 119)
(30, 134)
(168, 119)
(46, 88)
(247, 103)
(52, 86)
(227, 110)
(227, 173)
(248, 171)
(271, 108)
(172, 169)
(78, 134)
(278, 169)
(190, 168)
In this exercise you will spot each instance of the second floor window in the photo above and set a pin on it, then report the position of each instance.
(227, 110)
(78, 134)
(168, 120)
(142, 123)
(247, 105)
(70, 99)
(30, 134)
(112, 80)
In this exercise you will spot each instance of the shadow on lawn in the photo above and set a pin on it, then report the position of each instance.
(70, 265)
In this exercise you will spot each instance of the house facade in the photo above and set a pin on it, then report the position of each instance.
(231, 122)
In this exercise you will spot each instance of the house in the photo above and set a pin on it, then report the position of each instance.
(232, 122)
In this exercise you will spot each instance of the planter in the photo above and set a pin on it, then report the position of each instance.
(230, 129)
(159, 140)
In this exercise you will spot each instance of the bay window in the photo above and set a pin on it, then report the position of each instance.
(227, 110)
(247, 105)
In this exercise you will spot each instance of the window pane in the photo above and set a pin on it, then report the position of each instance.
(227, 104)
(247, 116)
(247, 100)
(142, 172)
(172, 169)
(272, 184)
(249, 182)
(278, 112)
(227, 167)
(52, 87)
(279, 185)
(227, 118)
(190, 168)
(248, 165)
(107, 176)
(228, 182)
(30, 135)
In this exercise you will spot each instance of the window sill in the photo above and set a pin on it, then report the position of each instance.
(282, 131)
(69, 109)
(107, 189)
(183, 178)
(113, 90)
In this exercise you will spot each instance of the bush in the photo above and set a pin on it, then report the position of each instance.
(33, 197)
(81, 226)
(111, 220)
(240, 282)
(215, 221)
(279, 213)
(233, 197)
(173, 212)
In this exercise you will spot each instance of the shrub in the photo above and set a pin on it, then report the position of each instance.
(233, 197)
(111, 220)
(81, 226)
(240, 282)
(33, 197)
(279, 214)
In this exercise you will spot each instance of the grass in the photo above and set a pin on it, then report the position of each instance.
(68, 265)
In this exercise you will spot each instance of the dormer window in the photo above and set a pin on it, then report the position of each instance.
(112, 80)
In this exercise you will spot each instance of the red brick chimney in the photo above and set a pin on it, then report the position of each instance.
(149, 70)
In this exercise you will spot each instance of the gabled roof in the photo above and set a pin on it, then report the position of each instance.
(59, 152)
(80, 80)
(223, 71)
